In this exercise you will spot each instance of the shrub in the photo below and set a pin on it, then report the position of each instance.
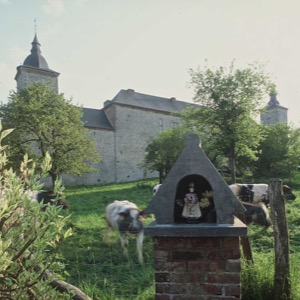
(30, 239)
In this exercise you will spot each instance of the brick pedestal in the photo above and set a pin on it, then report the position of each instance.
(205, 268)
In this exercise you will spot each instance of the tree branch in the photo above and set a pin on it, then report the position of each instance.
(64, 287)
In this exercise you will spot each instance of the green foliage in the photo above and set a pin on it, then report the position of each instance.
(164, 150)
(230, 100)
(279, 151)
(45, 122)
(30, 240)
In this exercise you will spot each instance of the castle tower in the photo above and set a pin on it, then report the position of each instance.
(35, 69)
(274, 113)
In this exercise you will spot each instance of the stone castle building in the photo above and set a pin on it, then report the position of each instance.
(122, 128)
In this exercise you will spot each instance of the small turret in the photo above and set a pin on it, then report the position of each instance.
(35, 69)
(274, 113)
(35, 59)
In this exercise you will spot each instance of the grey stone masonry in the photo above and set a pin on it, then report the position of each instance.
(26, 76)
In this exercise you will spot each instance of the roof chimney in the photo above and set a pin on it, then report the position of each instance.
(130, 91)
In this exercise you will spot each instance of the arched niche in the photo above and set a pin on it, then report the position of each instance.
(203, 190)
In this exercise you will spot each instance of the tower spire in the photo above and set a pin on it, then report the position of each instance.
(35, 25)
(35, 59)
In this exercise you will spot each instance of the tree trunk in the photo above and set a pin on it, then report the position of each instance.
(282, 284)
(231, 160)
(160, 176)
(53, 179)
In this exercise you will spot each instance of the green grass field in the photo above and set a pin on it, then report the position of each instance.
(95, 262)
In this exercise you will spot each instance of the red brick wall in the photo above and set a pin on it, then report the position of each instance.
(205, 268)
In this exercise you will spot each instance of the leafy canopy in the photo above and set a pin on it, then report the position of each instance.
(163, 151)
(45, 122)
(230, 99)
(279, 153)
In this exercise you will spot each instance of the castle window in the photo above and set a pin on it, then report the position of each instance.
(161, 125)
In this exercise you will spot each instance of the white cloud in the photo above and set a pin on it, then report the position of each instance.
(54, 7)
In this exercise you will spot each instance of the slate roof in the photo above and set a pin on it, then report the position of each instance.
(132, 98)
(35, 59)
(95, 118)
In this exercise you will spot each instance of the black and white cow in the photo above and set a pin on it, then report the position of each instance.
(257, 214)
(49, 197)
(125, 217)
(258, 192)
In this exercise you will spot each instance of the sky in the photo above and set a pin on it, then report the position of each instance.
(102, 46)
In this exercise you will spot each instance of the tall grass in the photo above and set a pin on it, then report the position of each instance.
(258, 279)
(94, 258)
(96, 264)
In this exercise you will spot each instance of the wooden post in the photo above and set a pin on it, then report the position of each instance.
(246, 249)
(282, 284)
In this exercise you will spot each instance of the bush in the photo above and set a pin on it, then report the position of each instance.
(30, 238)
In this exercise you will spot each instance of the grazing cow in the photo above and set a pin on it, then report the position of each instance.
(126, 218)
(257, 214)
(49, 197)
(255, 193)
(14, 214)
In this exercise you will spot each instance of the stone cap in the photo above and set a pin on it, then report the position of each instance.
(238, 228)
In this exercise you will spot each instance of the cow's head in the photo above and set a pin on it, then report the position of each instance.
(287, 193)
(130, 220)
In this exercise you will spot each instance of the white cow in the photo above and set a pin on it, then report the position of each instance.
(125, 217)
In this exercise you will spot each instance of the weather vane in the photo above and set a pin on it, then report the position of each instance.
(35, 25)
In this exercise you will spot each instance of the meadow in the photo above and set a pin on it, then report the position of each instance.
(95, 262)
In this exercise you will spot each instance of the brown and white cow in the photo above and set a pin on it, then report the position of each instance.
(125, 217)
(258, 192)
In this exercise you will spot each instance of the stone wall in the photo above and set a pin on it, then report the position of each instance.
(134, 129)
(197, 268)
(105, 170)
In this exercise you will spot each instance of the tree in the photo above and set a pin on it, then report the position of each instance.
(279, 151)
(45, 122)
(230, 100)
(163, 151)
